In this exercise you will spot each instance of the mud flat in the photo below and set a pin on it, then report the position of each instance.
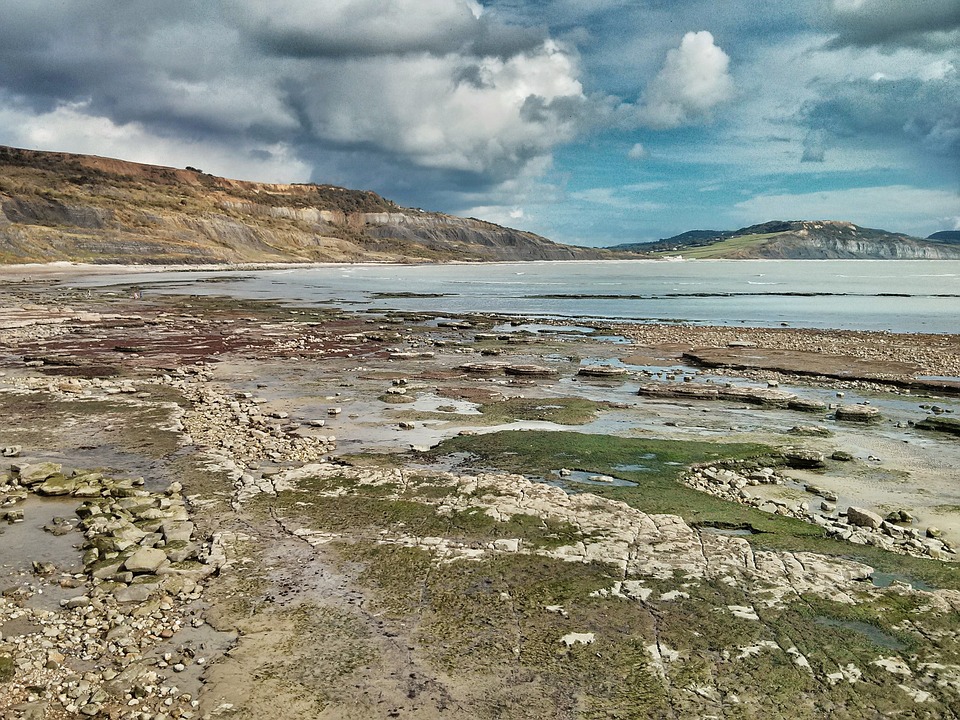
(232, 509)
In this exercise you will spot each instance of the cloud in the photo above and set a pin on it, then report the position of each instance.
(909, 111)
(486, 115)
(614, 197)
(405, 86)
(357, 28)
(898, 208)
(71, 128)
(930, 24)
(638, 152)
(694, 79)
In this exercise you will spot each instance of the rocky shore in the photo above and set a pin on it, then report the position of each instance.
(220, 509)
(924, 354)
(138, 583)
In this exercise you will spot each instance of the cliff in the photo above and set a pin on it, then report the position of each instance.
(59, 206)
(801, 240)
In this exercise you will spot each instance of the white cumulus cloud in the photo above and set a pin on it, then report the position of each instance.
(485, 115)
(694, 79)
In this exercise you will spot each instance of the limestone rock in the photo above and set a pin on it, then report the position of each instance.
(601, 371)
(863, 518)
(145, 560)
(803, 458)
(807, 405)
(857, 413)
(57, 484)
(36, 473)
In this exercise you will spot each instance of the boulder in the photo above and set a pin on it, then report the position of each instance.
(863, 518)
(177, 530)
(807, 405)
(810, 431)
(802, 458)
(57, 484)
(529, 371)
(36, 473)
(145, 560)
(857, 413)
(180, 550)
(134, 593)
(940, 424)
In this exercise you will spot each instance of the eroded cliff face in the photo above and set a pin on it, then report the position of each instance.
(790, 247)
(839, 248)
(56, 206)
(836, 240)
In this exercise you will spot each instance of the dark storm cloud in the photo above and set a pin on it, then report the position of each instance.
(480, 37)
(927, 24)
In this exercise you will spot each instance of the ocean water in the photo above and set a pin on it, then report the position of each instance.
(899, 296)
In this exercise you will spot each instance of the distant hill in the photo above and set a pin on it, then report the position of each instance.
(795, 239)
(691, 238)
(950, 237)
(60, 206)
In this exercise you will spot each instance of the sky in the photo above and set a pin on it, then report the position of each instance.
(591, 122)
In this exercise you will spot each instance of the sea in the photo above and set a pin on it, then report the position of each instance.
(898, 296)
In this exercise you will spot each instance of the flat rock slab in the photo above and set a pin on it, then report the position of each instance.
(145, 560)
(940, 424)
(799, 362)
(764, 397)
(601, 371)
(857, 413)
(529, 370)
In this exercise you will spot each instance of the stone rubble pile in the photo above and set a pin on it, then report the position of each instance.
(93, 388)
(240, 437)
(238, 424)
(143, 567)
(730, 481)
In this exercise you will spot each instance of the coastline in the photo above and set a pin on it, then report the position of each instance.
(309, 446)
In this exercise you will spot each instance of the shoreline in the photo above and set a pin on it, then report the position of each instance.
(307, 444)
